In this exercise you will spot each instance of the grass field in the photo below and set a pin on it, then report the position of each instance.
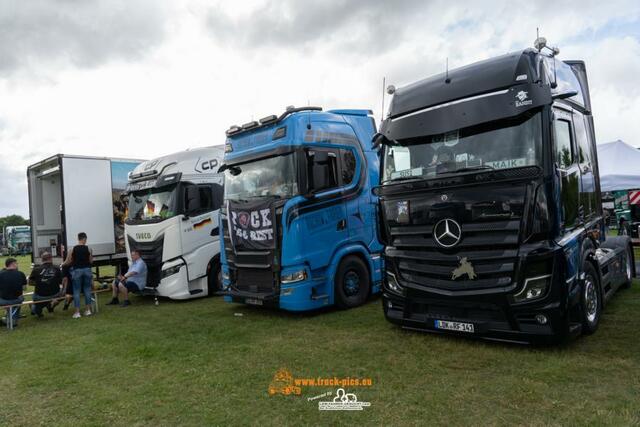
(200, 363)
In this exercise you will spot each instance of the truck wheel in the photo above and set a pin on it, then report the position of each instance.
(351, 283)
(214, 278)
(590, 300)
(628, 259)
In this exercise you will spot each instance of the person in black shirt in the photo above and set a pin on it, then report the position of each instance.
(80, 259)
(47, 279)
(12, 283)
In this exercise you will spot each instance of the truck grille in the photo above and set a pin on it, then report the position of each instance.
(251, 271)
(151, 253)
(490, 247)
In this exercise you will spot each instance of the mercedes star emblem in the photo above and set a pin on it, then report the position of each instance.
(447, 233)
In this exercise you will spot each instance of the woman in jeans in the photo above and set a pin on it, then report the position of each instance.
(80, 259)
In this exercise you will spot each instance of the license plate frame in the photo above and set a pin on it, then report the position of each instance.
(448, 325)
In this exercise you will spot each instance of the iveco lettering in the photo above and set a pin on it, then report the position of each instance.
(299, 222)
(490, 203)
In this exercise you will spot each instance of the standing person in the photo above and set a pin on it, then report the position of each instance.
(47, 280)
(133, 281)
(80, 259)
(622, 227)
(12, 283)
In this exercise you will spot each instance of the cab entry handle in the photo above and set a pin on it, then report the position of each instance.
(342, 224)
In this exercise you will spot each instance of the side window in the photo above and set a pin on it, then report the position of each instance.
(206, 198)
(588, 200)
(218, 196)
(564, 152)
(323, 169)
(584, 152)
(348, 166)
(570, 185)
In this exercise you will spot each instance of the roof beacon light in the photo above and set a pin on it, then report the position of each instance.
(540, 43)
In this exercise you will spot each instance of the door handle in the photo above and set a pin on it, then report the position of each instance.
(342, 224)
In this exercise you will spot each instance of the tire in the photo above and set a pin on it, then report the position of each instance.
(351, 282)
(629, 267)
(590, 300)
(214, 278)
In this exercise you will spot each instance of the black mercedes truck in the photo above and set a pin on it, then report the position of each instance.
(490, 203)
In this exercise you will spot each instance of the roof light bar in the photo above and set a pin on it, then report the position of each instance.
(250, 125)
(233, 129)
(269, 119)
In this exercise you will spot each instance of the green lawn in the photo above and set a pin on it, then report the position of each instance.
(199, 363)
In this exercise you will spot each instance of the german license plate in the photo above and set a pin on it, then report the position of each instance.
(454, 326)
(253, 301)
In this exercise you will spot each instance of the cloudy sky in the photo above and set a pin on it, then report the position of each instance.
(143, 78)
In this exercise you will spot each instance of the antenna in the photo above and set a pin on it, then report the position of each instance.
(384, 81)
(447, 80)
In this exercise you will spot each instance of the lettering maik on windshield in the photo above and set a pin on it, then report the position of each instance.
(251, 225)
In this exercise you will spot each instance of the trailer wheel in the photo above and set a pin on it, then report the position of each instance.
(590, 300)
(214, 278)
(351, 283)
(628, 259)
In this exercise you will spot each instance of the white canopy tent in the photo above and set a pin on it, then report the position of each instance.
(619, 165)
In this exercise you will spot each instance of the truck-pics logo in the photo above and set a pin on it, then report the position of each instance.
(282, 383)
(465, 267)
(522, 99)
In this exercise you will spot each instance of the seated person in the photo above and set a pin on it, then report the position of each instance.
(12, 283)
(47, 280)
(133, 281)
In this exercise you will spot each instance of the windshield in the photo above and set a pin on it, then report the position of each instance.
(154, 203)
(499, 145)
(275, 176)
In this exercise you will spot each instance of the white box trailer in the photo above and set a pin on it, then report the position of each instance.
(70, 194)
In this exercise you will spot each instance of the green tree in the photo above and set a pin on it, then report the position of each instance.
(12, 220)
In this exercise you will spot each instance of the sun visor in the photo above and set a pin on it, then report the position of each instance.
(466, 112)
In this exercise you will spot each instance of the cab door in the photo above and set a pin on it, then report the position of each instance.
(200, 237)
(323, 219)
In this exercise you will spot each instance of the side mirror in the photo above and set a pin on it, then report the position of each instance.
(564, 95)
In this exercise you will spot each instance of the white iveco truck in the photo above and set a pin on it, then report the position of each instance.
(174, 203)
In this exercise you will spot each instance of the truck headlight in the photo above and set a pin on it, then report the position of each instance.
(393, 285)
(296, 276)
(533, 289)
(171, 270)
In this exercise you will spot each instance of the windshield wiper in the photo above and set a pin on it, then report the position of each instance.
(469, 169)
(406, 179)
(475, 168)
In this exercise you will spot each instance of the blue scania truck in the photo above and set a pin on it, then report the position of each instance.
(299, 219)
